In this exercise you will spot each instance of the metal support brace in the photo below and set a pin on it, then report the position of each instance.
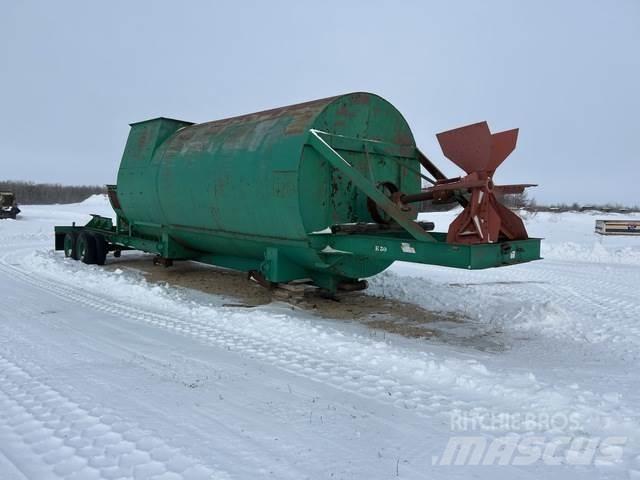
(364, 184)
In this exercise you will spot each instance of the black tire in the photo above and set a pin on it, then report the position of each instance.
(70, 245)
(102, 247)
(86, 248)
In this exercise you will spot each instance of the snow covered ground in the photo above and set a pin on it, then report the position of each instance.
(103, 375)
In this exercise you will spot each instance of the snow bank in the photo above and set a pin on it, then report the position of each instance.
(421, 380)
(99, 200)
(595, 252)
(486, 304)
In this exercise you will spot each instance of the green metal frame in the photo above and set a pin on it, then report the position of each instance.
(364, 184)
(276, 266)
(438, 252)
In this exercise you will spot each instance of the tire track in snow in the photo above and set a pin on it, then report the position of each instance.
(280, 353)
(9, 469)
(72, 440)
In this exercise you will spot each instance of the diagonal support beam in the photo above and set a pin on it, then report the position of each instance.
(429, 166)
(364, 184)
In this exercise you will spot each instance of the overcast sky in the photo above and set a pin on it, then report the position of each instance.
(74, 74)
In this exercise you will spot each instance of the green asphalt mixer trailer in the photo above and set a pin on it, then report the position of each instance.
(324, 190)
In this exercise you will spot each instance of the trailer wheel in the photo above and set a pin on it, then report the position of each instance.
(102, 247)
(70, 250)
(86, 248)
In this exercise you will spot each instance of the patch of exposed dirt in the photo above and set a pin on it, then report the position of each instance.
(387, 315)
(197, 276)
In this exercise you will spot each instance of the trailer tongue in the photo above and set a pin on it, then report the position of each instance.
(322, 190)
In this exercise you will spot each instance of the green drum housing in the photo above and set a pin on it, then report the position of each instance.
(273, 193)
(246, 192)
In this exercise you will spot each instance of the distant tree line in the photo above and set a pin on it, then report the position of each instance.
(523, 201)
(517, 200)
(30, 193)
(577, 207)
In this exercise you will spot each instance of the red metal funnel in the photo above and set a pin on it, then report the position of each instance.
(473, 148)
(479, 153)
